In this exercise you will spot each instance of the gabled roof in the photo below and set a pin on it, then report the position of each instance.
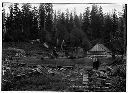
(99, 47)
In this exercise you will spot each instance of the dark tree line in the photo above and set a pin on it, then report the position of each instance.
(29, 23)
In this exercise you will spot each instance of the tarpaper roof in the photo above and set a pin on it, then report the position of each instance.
(99, 48)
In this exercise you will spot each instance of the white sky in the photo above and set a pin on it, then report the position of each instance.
(80, 8)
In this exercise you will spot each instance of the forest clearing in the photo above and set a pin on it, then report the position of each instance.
(46, 48)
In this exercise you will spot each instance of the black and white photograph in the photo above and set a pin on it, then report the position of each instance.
(64, 47)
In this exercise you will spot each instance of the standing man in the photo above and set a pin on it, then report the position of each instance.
(96, 63)
(54, 52)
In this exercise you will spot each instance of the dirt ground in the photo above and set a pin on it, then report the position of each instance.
(56, 74)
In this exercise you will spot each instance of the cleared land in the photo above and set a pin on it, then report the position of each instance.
(61, 74)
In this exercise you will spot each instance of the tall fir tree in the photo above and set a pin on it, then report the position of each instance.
(3, 24)
(86, 21)
(26, 21)
(42, 22)
(49, 23)
(9, 35)
(17, 22)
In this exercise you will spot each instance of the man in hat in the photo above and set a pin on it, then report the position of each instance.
(96, 63)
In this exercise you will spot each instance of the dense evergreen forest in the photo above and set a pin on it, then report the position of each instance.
(85, 30)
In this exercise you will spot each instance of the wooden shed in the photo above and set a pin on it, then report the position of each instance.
(99, 50)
